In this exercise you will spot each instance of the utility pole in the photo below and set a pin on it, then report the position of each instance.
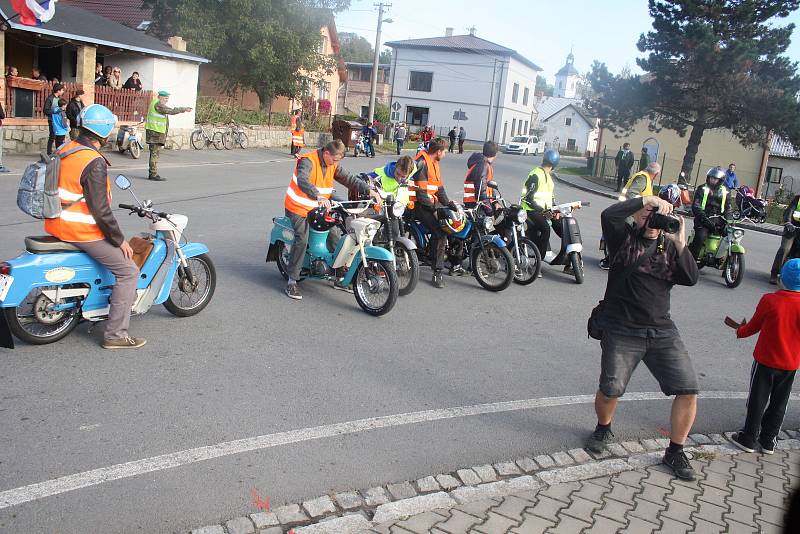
(373, 86)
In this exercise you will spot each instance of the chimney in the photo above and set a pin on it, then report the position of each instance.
(448, 32)
(177, 43)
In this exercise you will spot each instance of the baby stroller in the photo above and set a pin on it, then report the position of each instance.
(751, 207)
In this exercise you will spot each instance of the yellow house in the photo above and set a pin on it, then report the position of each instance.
(717, 148)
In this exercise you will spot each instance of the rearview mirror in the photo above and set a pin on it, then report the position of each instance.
(122, 182)
(493, 184)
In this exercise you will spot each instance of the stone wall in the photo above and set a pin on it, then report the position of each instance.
(32, 138)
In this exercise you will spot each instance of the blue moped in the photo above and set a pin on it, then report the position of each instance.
(47, 290)
(369, 269)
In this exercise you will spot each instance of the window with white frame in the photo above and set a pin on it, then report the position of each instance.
(568, 121)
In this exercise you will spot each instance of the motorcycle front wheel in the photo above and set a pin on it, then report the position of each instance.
(577, 266)
(136, 150)
(529, 264)
(734, 270)
(375, 287)
(189, 297)
(492, 267)
(407, 268)
(33, 323)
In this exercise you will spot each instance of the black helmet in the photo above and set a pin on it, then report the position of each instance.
(321, 220)
(715, 173)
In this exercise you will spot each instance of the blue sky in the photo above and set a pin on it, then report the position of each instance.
(542, 31)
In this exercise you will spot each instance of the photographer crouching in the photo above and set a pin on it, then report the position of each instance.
(633, 320)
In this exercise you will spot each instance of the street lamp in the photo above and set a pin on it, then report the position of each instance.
(373, 86)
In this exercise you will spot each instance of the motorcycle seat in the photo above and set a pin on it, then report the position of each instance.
(47, 244)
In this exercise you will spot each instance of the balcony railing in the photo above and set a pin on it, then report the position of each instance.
(127, 105)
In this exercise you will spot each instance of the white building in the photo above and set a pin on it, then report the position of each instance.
(565, 125)
(783, 166)
(462, 80)
(567, 79)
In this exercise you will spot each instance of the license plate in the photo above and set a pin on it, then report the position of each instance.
(5, 285)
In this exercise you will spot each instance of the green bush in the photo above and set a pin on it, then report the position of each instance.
(211, 111)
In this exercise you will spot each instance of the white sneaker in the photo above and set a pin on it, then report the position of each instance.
(549, 256)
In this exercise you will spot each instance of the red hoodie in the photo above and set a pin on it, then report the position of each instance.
(777, 317)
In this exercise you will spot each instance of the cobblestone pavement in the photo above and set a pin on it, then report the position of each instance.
(740, 493)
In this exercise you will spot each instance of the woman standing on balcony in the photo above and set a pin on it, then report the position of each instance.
(115, 80)
(133, 82)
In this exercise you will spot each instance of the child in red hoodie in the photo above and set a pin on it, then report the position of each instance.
(777, 358)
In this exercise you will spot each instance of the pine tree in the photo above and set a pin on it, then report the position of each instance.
(709, 64)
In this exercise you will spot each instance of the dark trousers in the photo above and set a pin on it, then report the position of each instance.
(297, 253)
(438, 239)
(700, 235)
(294, 150)
(766, 404)
(460, 146)
(51, 137)
(60, 140)
(780, 257)
(452, 144)
(399, 143)
(538, 231)
(622, 178)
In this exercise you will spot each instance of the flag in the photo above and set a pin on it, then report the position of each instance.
(33, 12)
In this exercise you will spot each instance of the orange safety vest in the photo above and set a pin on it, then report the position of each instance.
(76, 222)
(297, 138)
(433, 183)
(298, 202)
(470, 198)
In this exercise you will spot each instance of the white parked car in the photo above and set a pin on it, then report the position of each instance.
(524, 144)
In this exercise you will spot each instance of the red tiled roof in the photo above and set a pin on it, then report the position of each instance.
(127, 12)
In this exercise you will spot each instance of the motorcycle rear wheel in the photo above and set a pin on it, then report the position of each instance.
(375, 287)
(136, 150)
(577, 266)
(734, 270)
(29, 321)
(181, 301)
(407, 268)
(492, 267)
(528, 267)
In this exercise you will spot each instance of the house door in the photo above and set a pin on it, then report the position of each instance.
(571, 145)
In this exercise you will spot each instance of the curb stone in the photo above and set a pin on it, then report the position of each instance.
(347, 512)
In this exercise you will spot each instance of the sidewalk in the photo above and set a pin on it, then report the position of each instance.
(623, 489)
(592, 185)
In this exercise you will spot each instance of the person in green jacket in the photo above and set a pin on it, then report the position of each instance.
(156, 130)
(644, 160)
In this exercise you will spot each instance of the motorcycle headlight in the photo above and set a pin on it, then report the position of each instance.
(522, 216)
(738, 233)
(398, 208)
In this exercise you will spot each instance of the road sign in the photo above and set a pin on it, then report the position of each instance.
(396, 106)
(459, 115)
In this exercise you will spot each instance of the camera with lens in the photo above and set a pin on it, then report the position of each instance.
(668, 223)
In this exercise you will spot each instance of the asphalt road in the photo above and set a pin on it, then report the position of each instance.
(256, 363)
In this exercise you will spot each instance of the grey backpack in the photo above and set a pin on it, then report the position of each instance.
(38, 190)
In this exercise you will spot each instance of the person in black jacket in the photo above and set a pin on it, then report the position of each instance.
(73, 113)
(710, 200)
(636, 324)
(624, 161)
(452, 135)
(791, 231)
(49, 102)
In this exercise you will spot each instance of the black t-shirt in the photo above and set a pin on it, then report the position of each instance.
(642, 301)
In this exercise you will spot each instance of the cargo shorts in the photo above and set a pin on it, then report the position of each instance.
(666, 357)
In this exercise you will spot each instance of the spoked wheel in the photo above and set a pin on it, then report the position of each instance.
(375, 287)
(241, 140)
(529, 264)
(136, 150)
(407, 268)
(734, 270)
(283, 258)
(189, 297)
(577, 266)
(227, 140)
(197, 140)
(492, 267)
(34, 320)
(217, 141)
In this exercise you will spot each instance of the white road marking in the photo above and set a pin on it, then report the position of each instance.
(89, 427)
(94, 477)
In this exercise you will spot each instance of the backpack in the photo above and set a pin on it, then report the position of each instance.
(38, 190)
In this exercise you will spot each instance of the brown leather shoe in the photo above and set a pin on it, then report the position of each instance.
(124, 343)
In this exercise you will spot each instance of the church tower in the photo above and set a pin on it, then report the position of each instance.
(567, 79)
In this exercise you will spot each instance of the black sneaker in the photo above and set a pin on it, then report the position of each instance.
(744, 442)
(597, 442)
(679, 463)
(438, 280)
(773, 279)
(157, 178)
(604, 264)
(293, 292)
(767, 445)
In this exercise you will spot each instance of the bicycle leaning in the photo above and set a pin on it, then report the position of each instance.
(201, 138)
(234, 135)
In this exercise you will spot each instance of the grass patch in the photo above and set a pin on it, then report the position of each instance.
(574, 171)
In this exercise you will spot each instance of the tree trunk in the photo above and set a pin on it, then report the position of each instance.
(264, 100)
(691, 148)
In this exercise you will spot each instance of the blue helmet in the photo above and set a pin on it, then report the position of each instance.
(551, 157)
(98, 119)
